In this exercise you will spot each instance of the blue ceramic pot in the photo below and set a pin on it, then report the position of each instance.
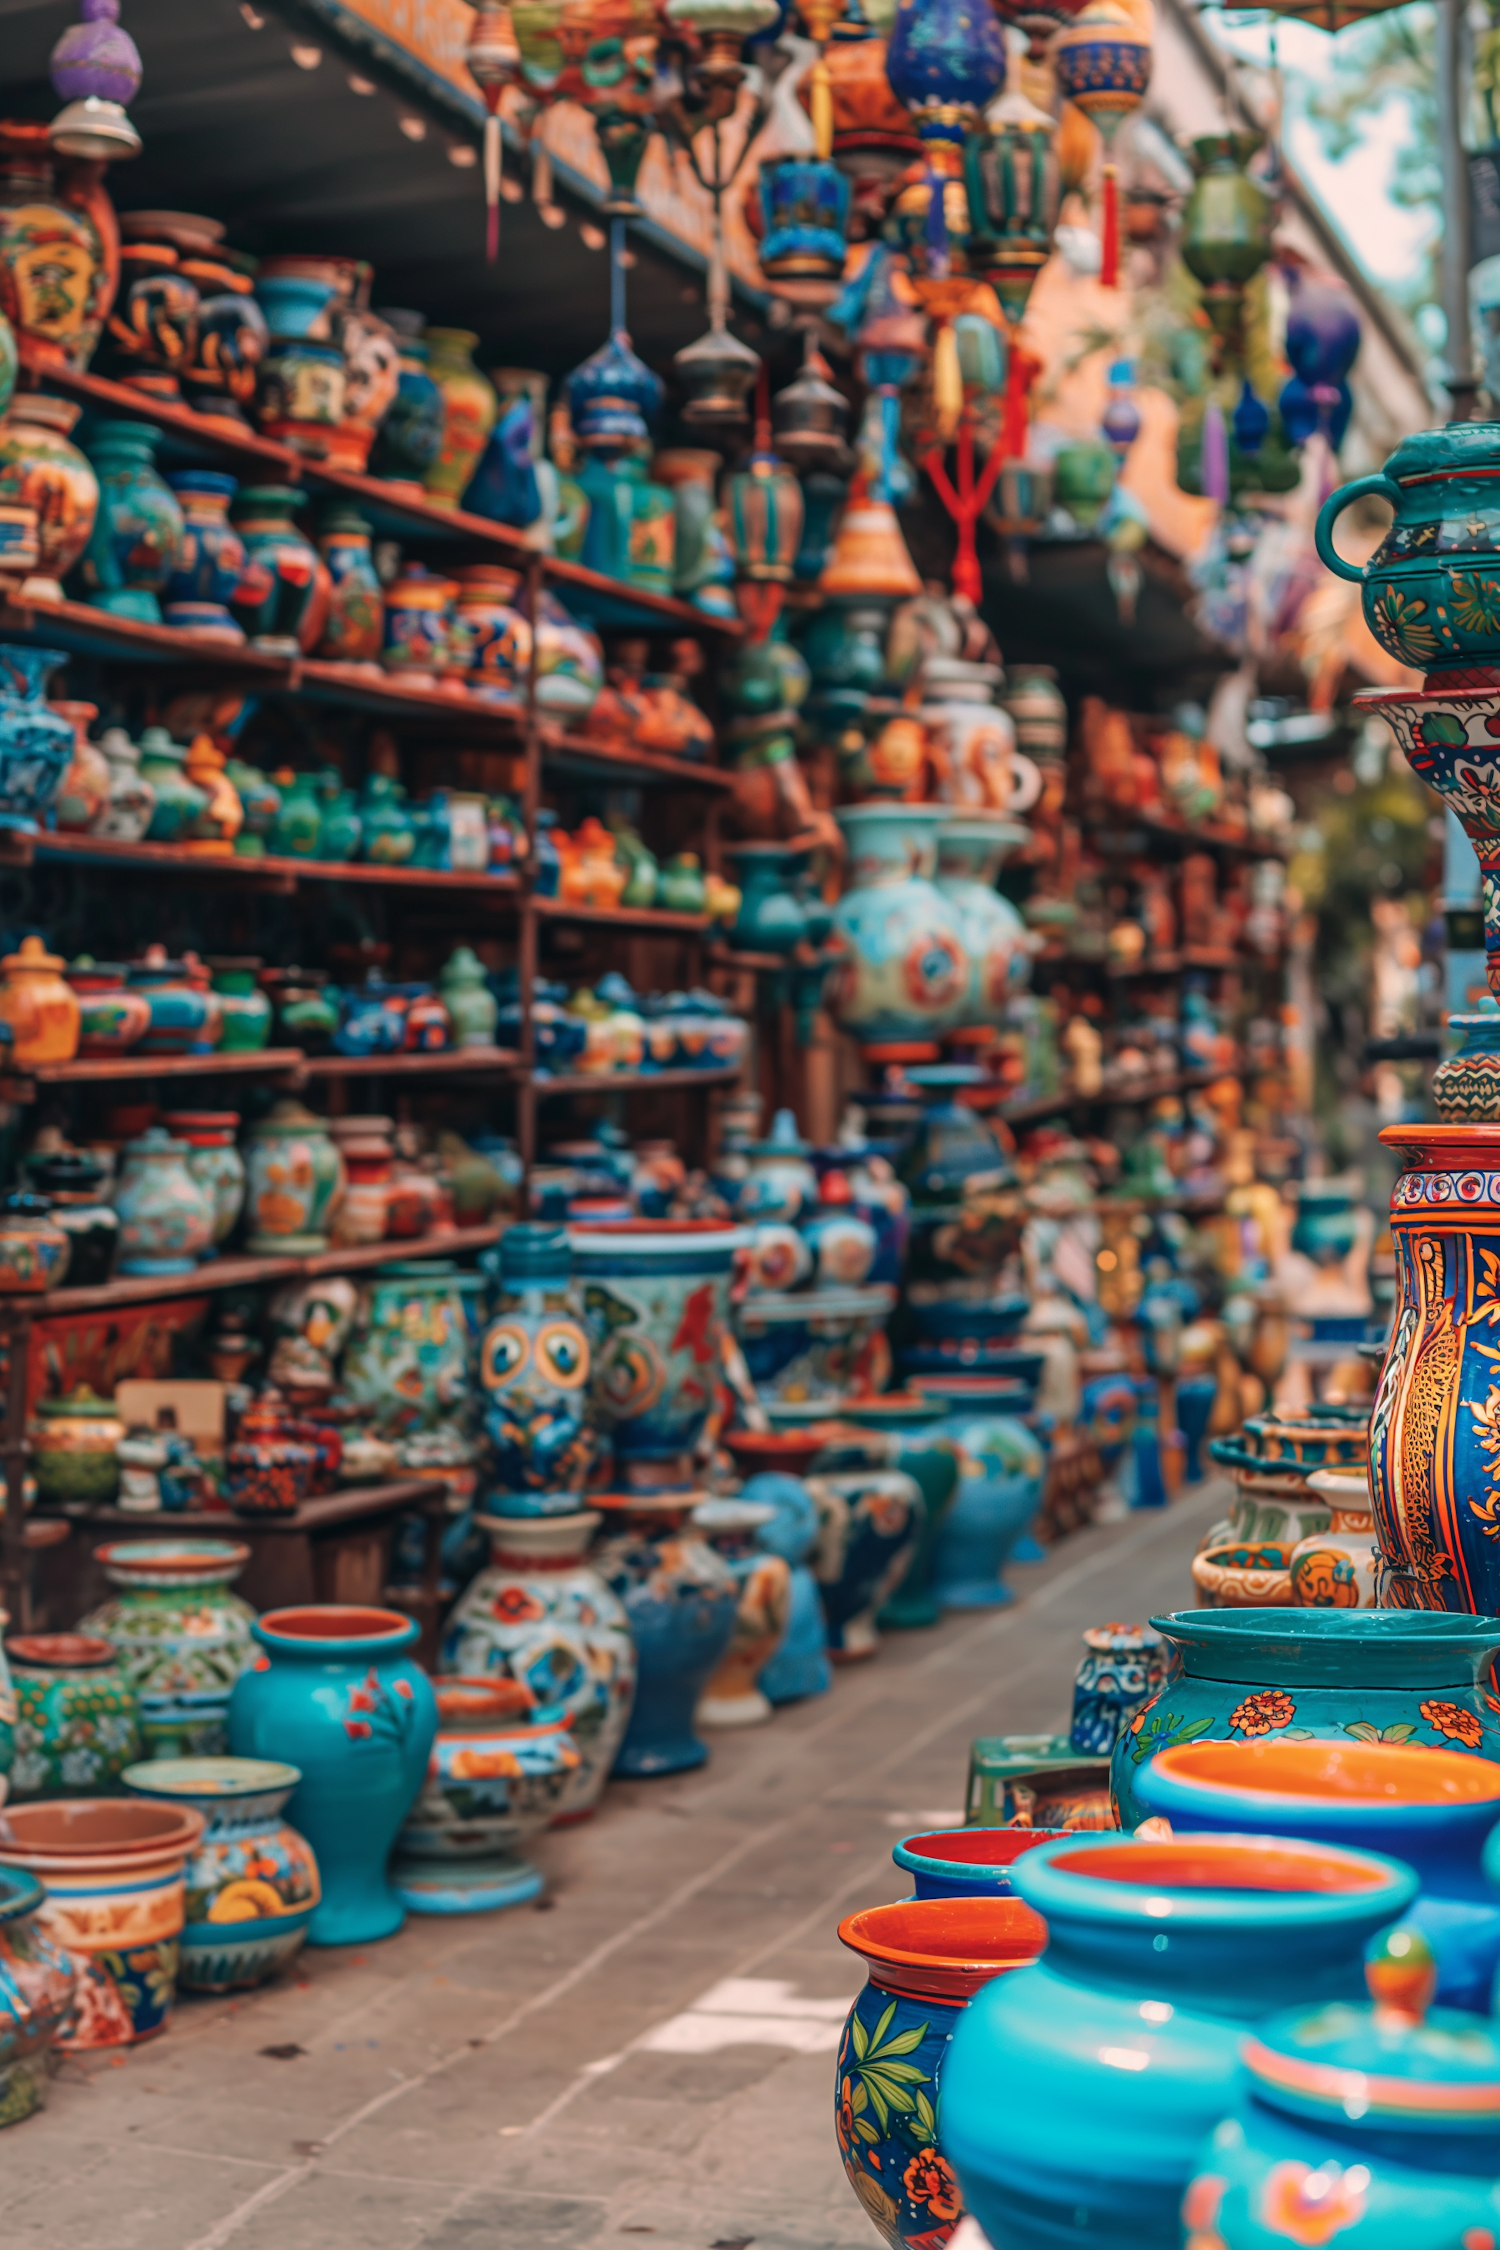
(211, 560)
(534, 1367)
(36, 742)
(294, 304)
(967, 1862)
(38, 1978)
(656, 1299)
(1426, 1807)
(872, 1522)
(904, 972)
(1195, 1405)
(800, 1666)
(907, 1433)
(771, 918)
(805, 206)
(136, 541)
(337, 1695)
(680, 1599)
(1078, 2092)
(410, 438)
(1332, 1674)
(1122, 1667)
(816, 1344)
(1001, 1467)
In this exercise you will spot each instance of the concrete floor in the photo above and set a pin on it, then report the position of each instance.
(588, 2072)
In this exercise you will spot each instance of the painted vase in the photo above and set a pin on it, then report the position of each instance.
(180, 1633)
(136, 543)
(1238, 1675)
(386, 827)
(799, 1666)
(355, 627)
(84, 789)
(771, 917)
(682, 1602)
(1377, 2125)
(36, 742)
(338, 824)
(335, 1692)
(732, 1527)
(268, 1472)
(245, 1011)
(1001, 1468)
(409, 1364)
(1105, 1988)
(970, 854)
(113, 1871)
(111, 1019)
(872, 1522)
(297, 831)
(925, 1961)
(495, 633)
(77, 1725)
(251, 1882)
(905, 971)
(815, 1344)
(73, 1442)
(903, 1431)
(57, 280)
(569, 660)
(466, 994)
(131, 800)
(260, 801)
(278, 602)
(39, 1005)
(470, 410)
(181, 1012)
(1123, 1668)
(214, 1162)
(1337, 1568)
(967, 1862)
(294, 1174)
(410, 435)
(211, 560)
(496, 1777)
(418, 624)
(38, 1980)
(41, 468)
(656, 1299)
(166, 1216)
(176, 802)
(534, 1370)
(34, 1249)
(1426, 1808)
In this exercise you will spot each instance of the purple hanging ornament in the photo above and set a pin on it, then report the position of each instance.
(1213, 455)
(95, 70)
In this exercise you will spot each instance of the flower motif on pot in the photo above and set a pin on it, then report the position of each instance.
(294, 1174)
(656, 1300)
(279, 601)
(180, 1633)
(872, 1520)
(40, 468)
(681, 1600)
(409, 1362)
(905, 971)
(36, 742)
(56, 280)
(77, 1726)
(251, 1883)
(497, 1775)
(166, 1215)
(136, 542)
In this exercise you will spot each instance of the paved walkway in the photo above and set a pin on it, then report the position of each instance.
(648, 2055)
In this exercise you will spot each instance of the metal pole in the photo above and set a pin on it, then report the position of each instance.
(1456, 256)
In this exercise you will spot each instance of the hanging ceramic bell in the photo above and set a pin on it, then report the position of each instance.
(869, 559)
(810, 416)
(1102, 64)
(1012, 181)
(95, 70)
(612, 398)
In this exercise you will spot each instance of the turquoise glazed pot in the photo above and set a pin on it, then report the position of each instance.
(1329, 1674)
(336, 1693)
(926, 1959)
(1001, 1467)
(656, 1299)
(410, 1362)
(136, 542)
(534, 1368)
(38, 1978)
(252, 1882)
(680, 1601)
(212, 557)
(771, 918)
(910, 1435)
(274, 600)
(1425, 1807)
(1079, 2092)
(905, 969)
(36, 742)
(970, 853)
(967, 1862)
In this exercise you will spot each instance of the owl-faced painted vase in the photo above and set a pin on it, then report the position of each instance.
(534, 1369)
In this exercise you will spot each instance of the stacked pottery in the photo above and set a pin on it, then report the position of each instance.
(38, 1980)
(181, 1635)
(543, 1617)
(251, 1880)
(682, 1604)
(496, 1778)
(77, 1725)
(339, 1696)
(113, 1872)
(733, 1697)
(925, 1960)
(1244, 1561)
(1145, 1958)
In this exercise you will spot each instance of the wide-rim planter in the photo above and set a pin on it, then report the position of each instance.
(496, 1777)
(38, 1978)
(967, 1862)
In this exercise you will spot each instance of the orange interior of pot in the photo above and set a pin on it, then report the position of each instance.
(63, 1650)
(462, 1698)
(97, 1824)
(1225, 1864)
(948, 1933)
(979, 1847)
(333, 1622)
(1362, 1770)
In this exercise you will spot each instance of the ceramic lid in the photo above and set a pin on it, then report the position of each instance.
(33, 955)
(210, 1777)
(1389, 2065)
(1459, 447)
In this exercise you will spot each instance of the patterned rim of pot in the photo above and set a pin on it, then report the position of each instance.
(172, 1562)
(355, 1629)
(658, 1240)
(1438, 1647)
(60, 1652)
(221, 1778)
(943, 1948)
(85, 1835)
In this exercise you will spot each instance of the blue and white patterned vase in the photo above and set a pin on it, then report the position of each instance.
(534, 1368)
(1122, 1669)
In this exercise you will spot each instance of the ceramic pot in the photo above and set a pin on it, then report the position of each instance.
(1001, 1469)
(355, 625)
(275, 599)
(386, 827)
(176, 801)
(40, 1007)
(1244, 1574)
(56, 279)
(1123, 1667)
(409, 1364)
(410, 434)
(1038, 711)
(245, 1012)
(772, 918)
(926, 1959)
(1238, 1675)
(1336, 1568)
(418, 625)
(903, 1432)
(1035, 1781)
(180, 1633)
(973, 742)
(569, 660)
(131, 800)
(36, 742)
(251, 1882)
(214, 1162)
(268, 1472)
(534, 1369)
(1427, 1808)
(77, 1725)
(111, 1019)
(38, 1980)
(365, 1144)
(682, 1602)
(113, 1872)
(211, 560)
(136, 542)
(799, 1665)
(300, 393)
(905, 972)
(470, 410)
(970, 853)
(340, 1696)
(819, 1345)
(41, 469)
(733, 1697)
(656, 1297)
(293, 1176)
(496, 1778)
(297, 831)
(73, 1444)
(260, 801)
(779, 1181)
(464, 985)
(73, 1183)
(83, 791)
(34, 1249)
(166, 1215)
(872, 1522)
(540, 1615)
(181, 1013)
(495, 633)
(967, 1862)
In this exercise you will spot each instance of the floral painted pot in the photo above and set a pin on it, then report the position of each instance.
(267, 1472)
(798, 1666)
(970, 854)
(1001, 1468)
(251, 1882)
(1327, 1674)
(355, 627)
(905, 970)
(38, 1980)
(1428, 592)
(1426, 1808)
(495, 633)
(335, 1692)
(1244, 1574)
(279, 601)
(732, 1527)
(540, 1615)
(40, 468)
(496, 1778)
(470, 409)
(534, 1369)
(136, 541)
(1337, 1568)
(1035, 1781)
(181, 1635)
(73, 1444)
(34, 1249)
(211, 560)
(293, 1174)
(967, 1862)
(166, 1216)
(1041, 2050)
(682, 1602)
(906, 1432)
(36, 742)
(925, 1959)
(873, 1520)
(113, 1871)
(816, 1345)
(1123, 1667)
(409, 1364)
(656, 1299)
(77, 1725)
(214, 1162)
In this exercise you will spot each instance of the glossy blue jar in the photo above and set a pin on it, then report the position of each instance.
(967, 1862)
(336, 1693)
(1001, 1468)
(1433, 1809)
(1078, 2093)
(680, 1600)
(800, 1666)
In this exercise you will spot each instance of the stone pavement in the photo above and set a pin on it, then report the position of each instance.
(649, 2056)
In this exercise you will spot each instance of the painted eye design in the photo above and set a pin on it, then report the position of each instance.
(632, 1377)
(505, 1351)
(562, 1354)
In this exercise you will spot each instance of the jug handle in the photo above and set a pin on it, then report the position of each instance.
(1333, 507)
(1025, 782)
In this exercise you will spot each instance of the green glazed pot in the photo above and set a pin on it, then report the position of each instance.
(298, 829)
(244, 1010)
(77, 1725)
(182, 1636)
(294, 1172)
(339, 835)
(178, 800)
(137, 537)
(468, 999)
(1431, 590)
(73, 1444)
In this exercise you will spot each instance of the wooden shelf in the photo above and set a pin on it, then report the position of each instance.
(764, 964)
(629, 1081)
(79, 628)
(240, 1272)
(577, 754)
(450, 1062)
(264, 873)
(232, 443)
(658, 918)
(95, 1070)
(329, 1509)
(390, 696)
(1144, 1090)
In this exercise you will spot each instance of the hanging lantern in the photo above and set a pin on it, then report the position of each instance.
(819, 18)
(810, 416)
(869, 561)
(873, 139)
(1120, 423)
(95, 70)
(763, 517)
(804, 203)
(493, 59)
(1103, 65)
(717, 372)
(1013, 186)
(1226, 228)
(1322, 343)
(619, 92)
(613, 397)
